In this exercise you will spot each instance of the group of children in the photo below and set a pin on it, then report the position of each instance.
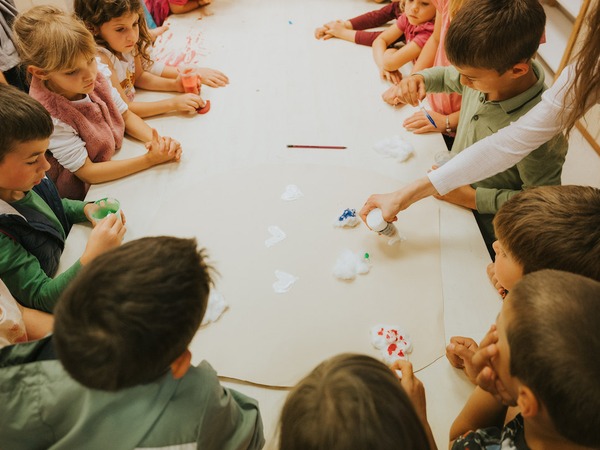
(117, 363)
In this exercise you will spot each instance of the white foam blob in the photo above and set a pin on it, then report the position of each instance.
(291, 192)
(215, 308)
(394, 147)
(392, 341)
(284, 281)
(349, 264)
(277, 235)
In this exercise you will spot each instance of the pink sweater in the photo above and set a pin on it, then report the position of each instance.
(99, 124)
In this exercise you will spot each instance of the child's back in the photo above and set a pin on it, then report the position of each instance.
(124, 378)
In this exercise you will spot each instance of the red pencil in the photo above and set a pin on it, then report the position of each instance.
(329, 147)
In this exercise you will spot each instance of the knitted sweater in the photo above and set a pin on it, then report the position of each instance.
(98, 123)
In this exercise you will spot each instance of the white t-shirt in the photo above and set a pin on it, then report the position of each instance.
(511, 144)
(66, 145)
(12, 328)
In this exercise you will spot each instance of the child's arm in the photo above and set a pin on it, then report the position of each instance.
(181, 7)
(394, 59)
(376, 18)
(209, 77)
(482, 410)
(25, 279)
(380, 45)
(37, 323)
(427, 56)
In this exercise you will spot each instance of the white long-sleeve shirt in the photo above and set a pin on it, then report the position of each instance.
(511, 144)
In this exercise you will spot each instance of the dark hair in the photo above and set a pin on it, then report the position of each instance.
(132, 312)
(554, 346)
(350, 402)
(22, 119)
(553, 227)
(495, 34)
(95, 13)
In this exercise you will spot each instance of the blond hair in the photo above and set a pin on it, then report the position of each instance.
(454, 6)
(49, 38)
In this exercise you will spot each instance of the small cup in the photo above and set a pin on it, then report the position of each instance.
(189, 78)
(106, 206)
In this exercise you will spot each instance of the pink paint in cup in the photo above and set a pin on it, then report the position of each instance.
(189, 78)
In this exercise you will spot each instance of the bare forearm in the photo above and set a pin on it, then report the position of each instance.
(379, 47)
(395, 60)
(153, 82)
(427, 56)
(482, 410)
(94, 173)
(136, 127)
(149, 109)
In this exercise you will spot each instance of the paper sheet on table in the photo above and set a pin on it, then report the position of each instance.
(275, 339)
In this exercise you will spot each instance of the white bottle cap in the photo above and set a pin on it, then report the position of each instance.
(375, 220)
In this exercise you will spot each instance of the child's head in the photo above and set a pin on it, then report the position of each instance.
(57, 48)
(25, 129)
(548, 347)
(548, 227)
(129, 317)
(118, 25)
(419, 11)
(494, 35)
(347, 402)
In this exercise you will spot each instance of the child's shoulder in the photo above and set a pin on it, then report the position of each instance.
(511, 437)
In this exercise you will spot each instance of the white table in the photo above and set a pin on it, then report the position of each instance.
(288, 88)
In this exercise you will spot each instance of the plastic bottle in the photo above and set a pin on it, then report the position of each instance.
(376, 222)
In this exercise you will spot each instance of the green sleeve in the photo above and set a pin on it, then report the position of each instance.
(543, 167)
(25, 279)
(74, 210)
(235, 415)
(442, 79)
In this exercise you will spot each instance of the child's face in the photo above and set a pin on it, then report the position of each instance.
(75, 81)
(25, 166)
(484, 80)
(419, 11)
(121, 33)
(508, 271)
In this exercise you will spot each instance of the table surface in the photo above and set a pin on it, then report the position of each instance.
(288, 88)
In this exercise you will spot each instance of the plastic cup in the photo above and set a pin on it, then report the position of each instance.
(189, 78)
(106, 206)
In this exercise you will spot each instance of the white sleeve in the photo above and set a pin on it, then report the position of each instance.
(67, 147)
(156, 68)
(511, 144)
(121, 105)
(103, 68)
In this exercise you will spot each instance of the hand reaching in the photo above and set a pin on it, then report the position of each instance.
(212, 77)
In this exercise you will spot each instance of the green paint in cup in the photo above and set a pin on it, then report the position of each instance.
(107, 206)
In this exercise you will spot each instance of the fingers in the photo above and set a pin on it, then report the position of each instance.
(370, 205)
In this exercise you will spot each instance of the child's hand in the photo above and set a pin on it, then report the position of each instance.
(410, 90)
(413, 388)
(163, 149)
(460, 353)
(188, 103)
(491, 272)
(106, 235)
(393, 76)
(335, 29)
(321, 32)
(463, 196)
(212, 77)
(390, 96)
(419, 124)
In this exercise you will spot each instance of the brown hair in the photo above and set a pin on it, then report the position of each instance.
(586, 86)
(553, 227)
(22, 119)
(49, 38)
(132, 312)
(96, 13)
(454, 6)
(350, 402)
(554, 347)
(495, 34)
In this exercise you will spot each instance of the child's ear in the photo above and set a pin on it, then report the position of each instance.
(180, 366)
(37, 72)
(520, 69)
(528, 402)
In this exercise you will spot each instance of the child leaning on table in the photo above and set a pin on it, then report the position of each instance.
(547, 227)
(544, 359)
(120, 31)
(34, 219)
(124, 377)
(491, 44)
(416, 25)
(89, 117)
(353, 30)
(353, 401)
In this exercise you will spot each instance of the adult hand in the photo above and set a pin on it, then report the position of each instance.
(386, 202)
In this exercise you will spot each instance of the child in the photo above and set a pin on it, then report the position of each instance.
(89, 116)
(497, 88)
(545, 360)
(549, 227)
(416, 24)
(352, 29)
(160, 9)
(124, 378)
(34, 220)
(120, 30)
(355, 402)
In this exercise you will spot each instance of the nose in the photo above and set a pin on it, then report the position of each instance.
(44, 164)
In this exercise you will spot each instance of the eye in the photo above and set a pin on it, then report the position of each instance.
(72, 72)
